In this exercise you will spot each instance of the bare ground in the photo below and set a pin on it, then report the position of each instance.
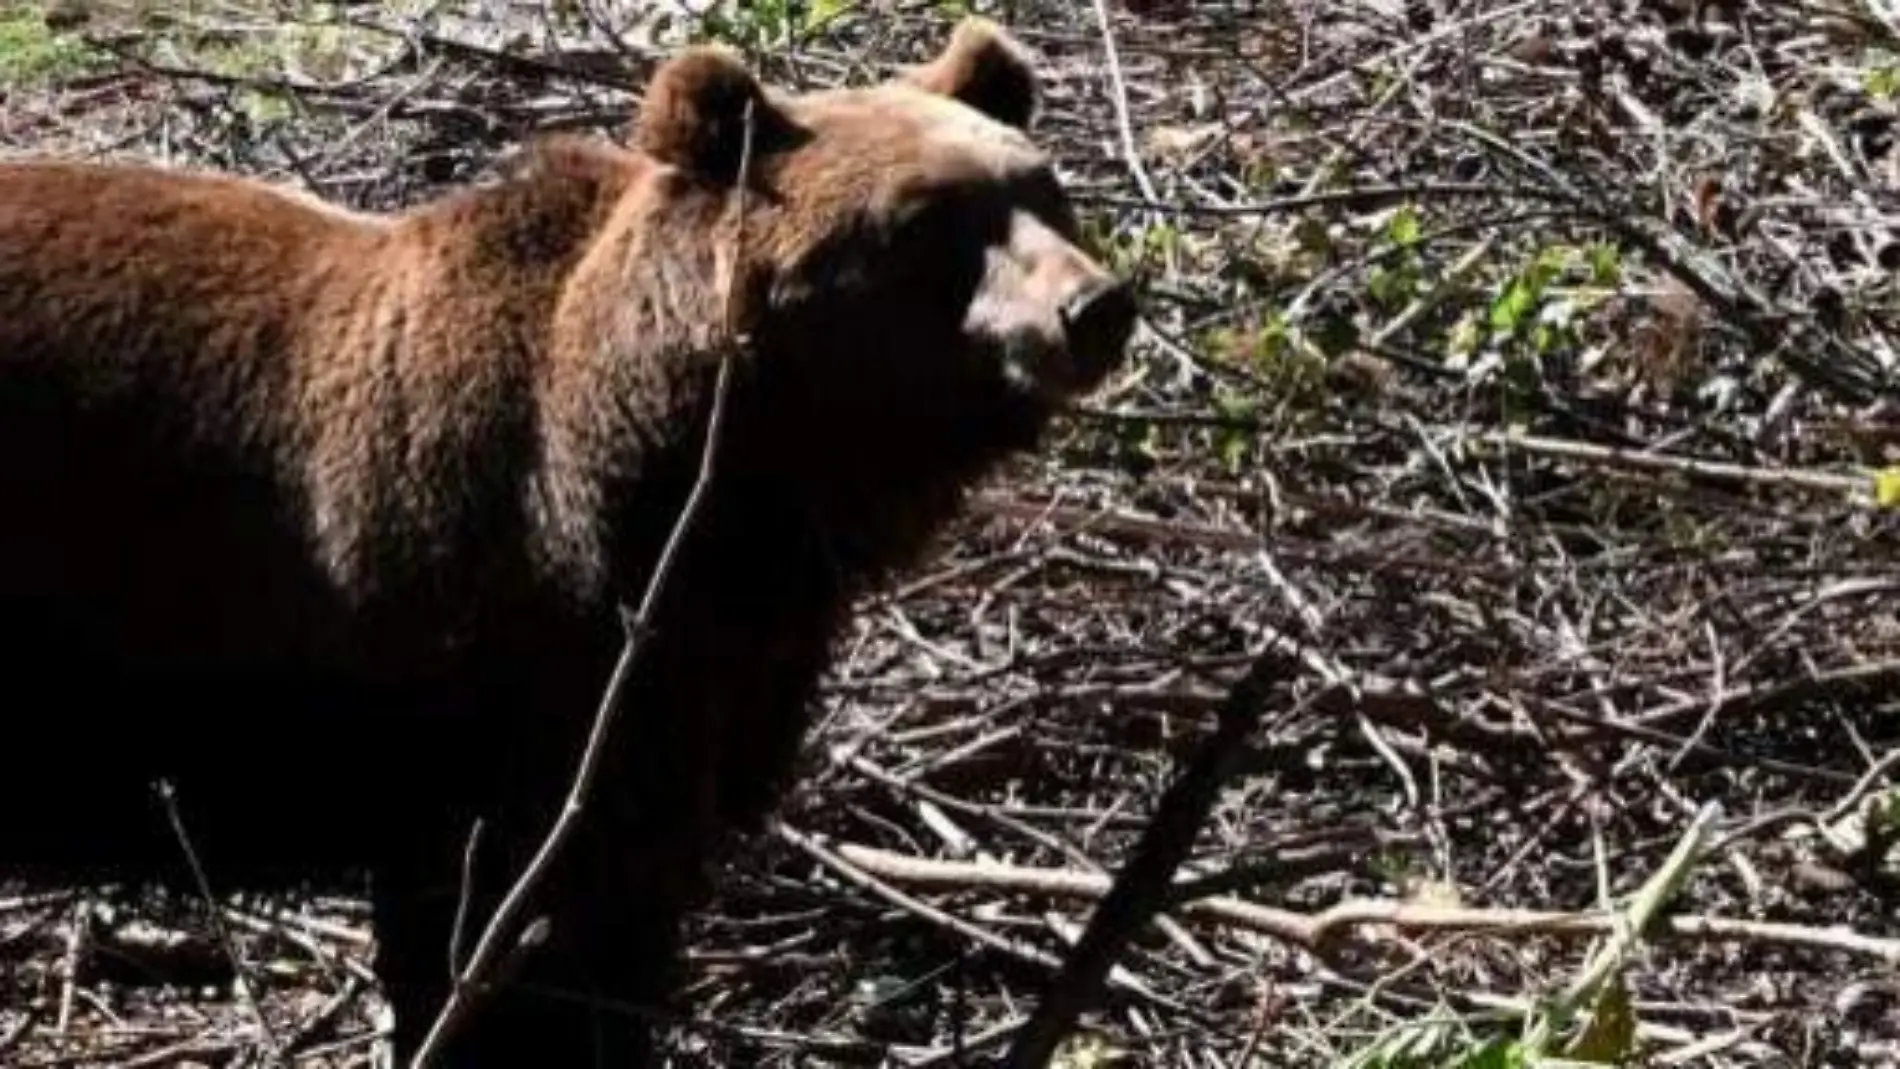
(1519, 373)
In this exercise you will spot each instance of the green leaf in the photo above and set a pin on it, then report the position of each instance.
(1404, 229)
(1233, 449)
(1497, 1054)
(1224, 344)
(823, 11)
(1511, 308)
(1882, 82)
(1887, 488)
(263, 106)
(1610, 1038)
(1389, 287)
(1884, 812)
(1548, 266)
(1606, 264)
(1163, 239)
(1271, 343)
(1234, 406)
(1465, 336)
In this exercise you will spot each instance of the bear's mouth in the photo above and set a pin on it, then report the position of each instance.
(1054, 374)
(1098, 323)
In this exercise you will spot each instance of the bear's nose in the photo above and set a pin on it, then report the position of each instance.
(1099, 319)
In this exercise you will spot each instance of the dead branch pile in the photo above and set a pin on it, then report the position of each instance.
(1523, 370)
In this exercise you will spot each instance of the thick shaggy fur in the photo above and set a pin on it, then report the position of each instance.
(325, 517)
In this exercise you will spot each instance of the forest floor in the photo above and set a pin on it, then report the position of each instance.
(1521, 372)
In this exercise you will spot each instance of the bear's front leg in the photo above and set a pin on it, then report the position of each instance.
(586, 992)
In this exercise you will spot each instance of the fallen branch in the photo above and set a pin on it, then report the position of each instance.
(1316, 931)
(867, 880)
(1856, 487)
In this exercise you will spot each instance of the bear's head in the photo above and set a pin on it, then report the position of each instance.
(915, 287)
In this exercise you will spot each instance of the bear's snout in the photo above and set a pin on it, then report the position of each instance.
(1063, 320)
(1099, 319)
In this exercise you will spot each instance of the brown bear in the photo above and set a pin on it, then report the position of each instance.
(326, 518)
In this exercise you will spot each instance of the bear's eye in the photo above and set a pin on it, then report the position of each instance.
(1040, 194)
(956, 219)
(927, 218)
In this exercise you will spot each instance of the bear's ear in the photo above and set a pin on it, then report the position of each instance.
(694, 113)
(986, 68)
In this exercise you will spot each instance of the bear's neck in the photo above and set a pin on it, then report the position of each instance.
(816, 502)
(424, 482)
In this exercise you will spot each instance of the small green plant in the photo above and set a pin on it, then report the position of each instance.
(1288, 360)
(1404, 229)
(1393, 866)
(1396, 280)
(1885, 809)
(1606, 263)
(1534, 316)
(1513, 308)
(1881, 78)
(1442, 1040)
(1130, 251)
(1162, 241)
(1235, 439)
(1520, 310)
(31, 53)
(1590, 1022)
(767, 24)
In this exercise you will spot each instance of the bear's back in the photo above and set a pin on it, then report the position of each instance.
(230, 414)
(185, 296)
(148, 324)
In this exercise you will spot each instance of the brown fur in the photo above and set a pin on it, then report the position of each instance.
(325, 516)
